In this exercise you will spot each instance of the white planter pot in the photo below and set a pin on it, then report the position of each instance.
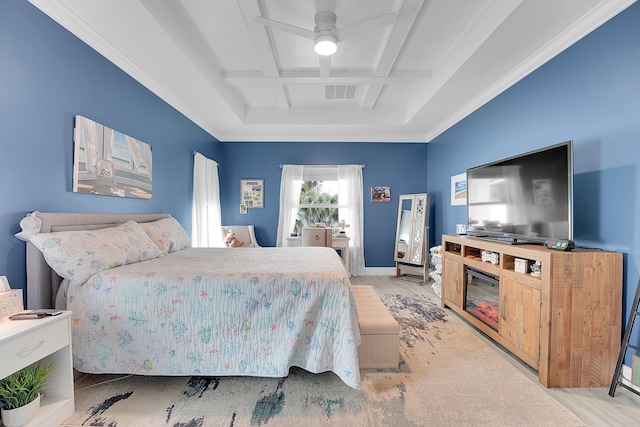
(22, 415)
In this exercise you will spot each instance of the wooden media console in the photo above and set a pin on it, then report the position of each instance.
(565, 323)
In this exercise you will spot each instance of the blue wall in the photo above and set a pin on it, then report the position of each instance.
(399, 166)
(48, 76)
(590, 94)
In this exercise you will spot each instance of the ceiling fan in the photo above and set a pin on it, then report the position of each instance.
(326, 35)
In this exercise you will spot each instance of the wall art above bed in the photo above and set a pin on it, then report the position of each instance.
(110, 163)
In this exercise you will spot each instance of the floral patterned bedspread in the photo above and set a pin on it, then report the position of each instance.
(215, 312)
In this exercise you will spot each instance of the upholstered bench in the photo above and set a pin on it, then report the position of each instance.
(379, 331)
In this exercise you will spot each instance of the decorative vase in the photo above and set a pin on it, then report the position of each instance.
(20, 416)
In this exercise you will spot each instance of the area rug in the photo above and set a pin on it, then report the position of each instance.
(447, 377)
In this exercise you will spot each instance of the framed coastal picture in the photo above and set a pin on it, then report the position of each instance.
(252, 193)
(459, 189)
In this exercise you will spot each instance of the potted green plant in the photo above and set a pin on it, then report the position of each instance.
(20, 393)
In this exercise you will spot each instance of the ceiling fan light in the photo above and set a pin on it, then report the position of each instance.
(325, 45)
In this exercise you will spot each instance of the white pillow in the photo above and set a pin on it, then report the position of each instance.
(167, 234)
(77, 255)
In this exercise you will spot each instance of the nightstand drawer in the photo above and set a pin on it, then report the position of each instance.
(34, 344)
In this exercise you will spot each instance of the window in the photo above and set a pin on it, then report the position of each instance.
(318, 204)
(343, 185)
(319, 201)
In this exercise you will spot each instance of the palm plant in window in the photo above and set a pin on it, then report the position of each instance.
(317, 206)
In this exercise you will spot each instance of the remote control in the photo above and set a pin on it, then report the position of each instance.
(562, 245)
(34, 314)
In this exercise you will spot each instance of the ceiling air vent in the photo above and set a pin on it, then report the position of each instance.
(340, 91)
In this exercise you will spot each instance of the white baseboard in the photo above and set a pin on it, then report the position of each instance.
(626, 373)
(380, 271)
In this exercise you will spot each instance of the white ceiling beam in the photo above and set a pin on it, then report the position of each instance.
(371, 95)
(479, 29)
(322, 133)
(311, 77)
(407, 16)
(329, 116)
(265, 50)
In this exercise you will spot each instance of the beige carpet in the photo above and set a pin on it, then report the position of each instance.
(447, 377)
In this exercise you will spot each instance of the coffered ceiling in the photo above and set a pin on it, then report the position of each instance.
(404, 80)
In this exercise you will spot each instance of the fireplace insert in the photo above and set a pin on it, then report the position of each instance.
(482, 296)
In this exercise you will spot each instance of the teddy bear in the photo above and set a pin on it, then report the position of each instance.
(231, 240)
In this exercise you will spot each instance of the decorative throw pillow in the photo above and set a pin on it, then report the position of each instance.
(77, 255)
(168, 234)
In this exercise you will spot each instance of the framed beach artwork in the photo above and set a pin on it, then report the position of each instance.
(459, 189)
(252, 193)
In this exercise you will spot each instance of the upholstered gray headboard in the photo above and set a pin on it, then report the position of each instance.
(42, 281)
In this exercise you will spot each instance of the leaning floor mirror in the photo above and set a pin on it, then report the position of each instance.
(412, 235)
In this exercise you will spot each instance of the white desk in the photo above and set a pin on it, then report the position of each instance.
(337, 242)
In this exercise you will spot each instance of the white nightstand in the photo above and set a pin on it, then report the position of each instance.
(23, 342)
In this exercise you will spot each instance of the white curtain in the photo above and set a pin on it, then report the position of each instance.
(350, 195)
(206, 217)
(290, 187)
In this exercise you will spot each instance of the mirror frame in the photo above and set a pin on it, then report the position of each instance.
(416, 253)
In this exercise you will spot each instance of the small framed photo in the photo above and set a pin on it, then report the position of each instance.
(243, 209)
(380, 194)
(459, 189)
(252, 193)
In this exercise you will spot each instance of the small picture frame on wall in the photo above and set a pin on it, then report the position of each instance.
(252, 193)
(459, 189)
(380, 193)
(243, 209)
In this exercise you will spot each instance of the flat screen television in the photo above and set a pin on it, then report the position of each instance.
(523, 199)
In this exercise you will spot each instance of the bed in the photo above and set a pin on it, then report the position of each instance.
(191, 311)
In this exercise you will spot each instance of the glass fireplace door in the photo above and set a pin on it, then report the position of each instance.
(482, 297)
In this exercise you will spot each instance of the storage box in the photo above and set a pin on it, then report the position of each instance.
(521, 265)
(11, 302)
